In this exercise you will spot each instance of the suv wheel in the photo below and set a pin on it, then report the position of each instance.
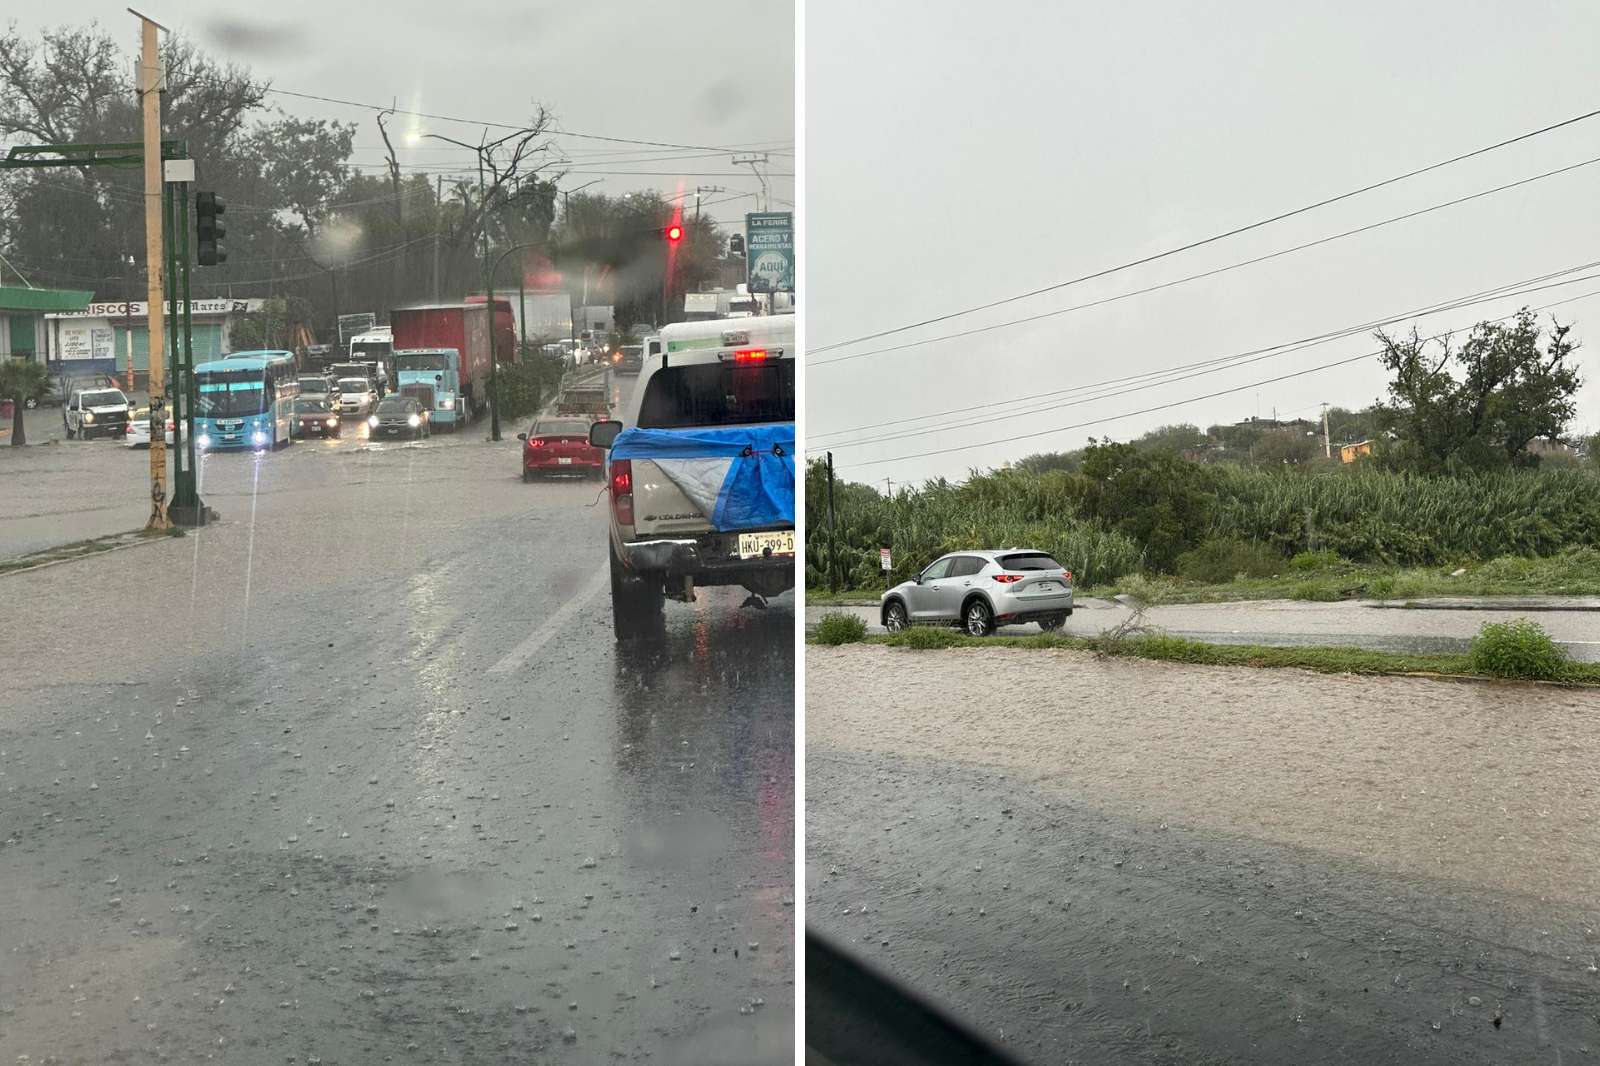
(637, 604)
(978, 619)
(1053, 623)
(894, 617)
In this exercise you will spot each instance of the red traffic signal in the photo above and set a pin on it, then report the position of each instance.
(674, 234)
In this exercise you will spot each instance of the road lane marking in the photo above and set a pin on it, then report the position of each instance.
(552, 625)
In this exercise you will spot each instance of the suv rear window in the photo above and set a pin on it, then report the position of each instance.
(718, 394)
(1028, 561)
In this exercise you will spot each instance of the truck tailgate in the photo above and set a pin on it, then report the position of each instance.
(660, 507)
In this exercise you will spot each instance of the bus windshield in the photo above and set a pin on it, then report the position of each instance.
(224, 393)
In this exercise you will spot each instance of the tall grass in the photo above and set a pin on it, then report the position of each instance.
(1364, 515)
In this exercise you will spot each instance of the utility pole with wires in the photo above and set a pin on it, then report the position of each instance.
(833, 548)
(756, 161)
(698, 189)
(1327, 444)
(892, 552)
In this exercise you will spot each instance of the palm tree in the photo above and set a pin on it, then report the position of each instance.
(22, 381)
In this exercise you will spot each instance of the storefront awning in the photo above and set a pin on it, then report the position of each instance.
(40, 301)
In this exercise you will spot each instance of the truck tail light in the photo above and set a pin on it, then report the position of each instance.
(622, 490)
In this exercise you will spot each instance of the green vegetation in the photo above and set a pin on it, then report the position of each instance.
(1179, 650)
(837, 627)
(1518, 649)
(1224, 558)
(22, 380)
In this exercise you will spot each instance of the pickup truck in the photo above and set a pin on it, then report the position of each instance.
(700, 470)
(96, 412)
(587, 401)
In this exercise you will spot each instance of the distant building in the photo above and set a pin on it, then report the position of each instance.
(1349, 453)
(114, 338)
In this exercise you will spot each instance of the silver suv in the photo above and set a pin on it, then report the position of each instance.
(979, 590)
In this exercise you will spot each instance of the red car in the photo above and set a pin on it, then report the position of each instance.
(560, 446)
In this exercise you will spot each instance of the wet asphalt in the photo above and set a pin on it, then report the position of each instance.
(1072, 936)
(358, 774)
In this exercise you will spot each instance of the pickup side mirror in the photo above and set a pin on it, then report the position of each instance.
(604, 432)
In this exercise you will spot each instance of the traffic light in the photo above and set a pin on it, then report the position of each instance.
(208, 229)
(674, 234)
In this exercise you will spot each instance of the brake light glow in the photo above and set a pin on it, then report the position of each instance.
(622, 490)
(1069, 575)
(750, 355)
(1006, 579)
(535, 442)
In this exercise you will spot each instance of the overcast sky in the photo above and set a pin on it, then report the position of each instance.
(712, 73)
(958, 155)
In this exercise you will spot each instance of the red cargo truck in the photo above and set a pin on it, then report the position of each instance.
(464, 327)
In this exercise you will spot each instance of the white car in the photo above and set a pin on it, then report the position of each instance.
(138, 435)
(357, 396)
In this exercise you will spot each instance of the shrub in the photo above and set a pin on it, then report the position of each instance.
(924, 638)
(1517, 649)
(519, 388)
(1221, 559)
(1316, 592)
(1148, 589)
(838, 627)
(1381, 587)
(1323, 559)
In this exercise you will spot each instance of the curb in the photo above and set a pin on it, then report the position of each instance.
(109, 548)
(1482, 605)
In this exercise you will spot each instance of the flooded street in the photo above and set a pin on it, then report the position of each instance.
(1144, 862)
(359, 775)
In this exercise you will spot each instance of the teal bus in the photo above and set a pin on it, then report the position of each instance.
(245, 400)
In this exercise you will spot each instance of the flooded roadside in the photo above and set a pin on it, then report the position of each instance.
(1493, 785)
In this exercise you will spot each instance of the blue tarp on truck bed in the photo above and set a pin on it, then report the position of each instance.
(743, 476)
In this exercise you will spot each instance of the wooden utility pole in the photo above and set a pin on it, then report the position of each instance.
(150, 86)
(833, 552)
(1327, 444)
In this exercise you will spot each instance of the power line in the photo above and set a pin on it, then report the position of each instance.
(493, 125)
(1227, 363)
(1205, 273)
(1191, 399)
(1219, 236)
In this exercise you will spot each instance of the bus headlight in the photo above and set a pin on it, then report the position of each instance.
(258, 437)
(203, 440)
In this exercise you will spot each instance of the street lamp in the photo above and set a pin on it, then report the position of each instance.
(482, 149)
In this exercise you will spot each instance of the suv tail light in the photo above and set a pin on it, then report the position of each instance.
(1069, 575)
(1006, 579)
(622, 490)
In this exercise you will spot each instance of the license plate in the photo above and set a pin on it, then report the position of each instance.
(563, 461)
(1047, 586)
(755, 545)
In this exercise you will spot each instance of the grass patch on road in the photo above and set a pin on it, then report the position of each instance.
(1324, 660)
(82, 548)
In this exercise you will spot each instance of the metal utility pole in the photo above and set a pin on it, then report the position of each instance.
(150, 85)
(1327, 444)
(833, 551)
(438, 225)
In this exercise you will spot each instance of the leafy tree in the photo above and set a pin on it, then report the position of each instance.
(1179, 438)
(1510, 391)
(22, 380)
(1287, 447)
(1237, 440)
(1157, 497)
(1071, 462)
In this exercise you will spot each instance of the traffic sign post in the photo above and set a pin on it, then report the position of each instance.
(769, 251)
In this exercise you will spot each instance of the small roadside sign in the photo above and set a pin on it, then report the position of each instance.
(883, 560)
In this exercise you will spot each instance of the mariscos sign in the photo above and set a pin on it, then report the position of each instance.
(140, 309)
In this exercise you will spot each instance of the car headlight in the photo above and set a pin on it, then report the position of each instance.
(332, 421)
(88, 416)
(373, 421)
(415, 420)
